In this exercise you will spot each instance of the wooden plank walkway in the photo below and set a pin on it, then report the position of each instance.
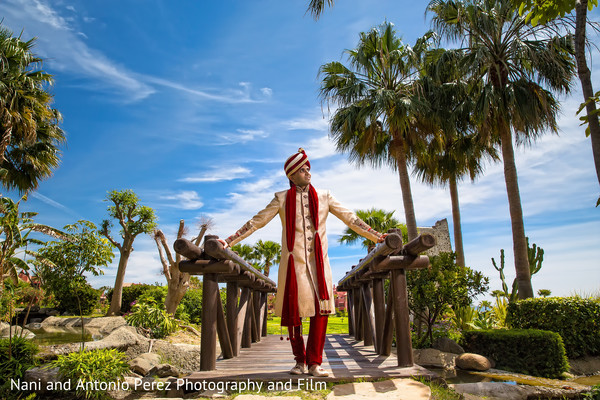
(272, 358)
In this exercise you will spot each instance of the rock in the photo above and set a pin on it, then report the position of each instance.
(122, 338)
(472, 362)
(585, 365)
(16, 331)
(494, 390)
(143, 363)
(397, 389)
(164, 370)
(447, 345)
(434, 358)
(42, 375)
(106, 324)
(34, 325)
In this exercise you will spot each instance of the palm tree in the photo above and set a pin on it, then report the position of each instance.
(376, 103)
(25, 112)
(512, 63)
(248, 253)
(316, 7)
(269, 253)
(376, 218)
(454, 149)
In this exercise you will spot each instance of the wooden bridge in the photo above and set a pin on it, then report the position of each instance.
(248, 353)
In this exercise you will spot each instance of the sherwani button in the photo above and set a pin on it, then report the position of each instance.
(310, 249)
(309, 238)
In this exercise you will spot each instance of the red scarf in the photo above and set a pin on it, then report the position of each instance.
(290, 315)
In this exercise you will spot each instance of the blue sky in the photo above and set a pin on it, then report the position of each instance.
(195, 106)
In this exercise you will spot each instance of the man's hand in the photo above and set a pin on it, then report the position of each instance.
(382, 238)
(223, 242)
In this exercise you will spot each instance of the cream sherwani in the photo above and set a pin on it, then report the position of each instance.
(303, 252)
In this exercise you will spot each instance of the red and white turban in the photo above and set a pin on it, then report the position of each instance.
(295, 162)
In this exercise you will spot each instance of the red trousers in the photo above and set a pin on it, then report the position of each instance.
(313, 354)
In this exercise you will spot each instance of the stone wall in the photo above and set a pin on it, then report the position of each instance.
(442, 236)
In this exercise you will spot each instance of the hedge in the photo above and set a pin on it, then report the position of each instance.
(575, 319)
(527, 351)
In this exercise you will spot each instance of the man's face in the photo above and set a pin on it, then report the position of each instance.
(301, 177)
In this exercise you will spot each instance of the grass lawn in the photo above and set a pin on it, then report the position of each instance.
(335, 325)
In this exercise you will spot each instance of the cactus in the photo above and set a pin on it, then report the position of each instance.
(535, 255)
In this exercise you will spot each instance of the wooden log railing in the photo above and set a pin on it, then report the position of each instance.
(244, 321)
(372, 318)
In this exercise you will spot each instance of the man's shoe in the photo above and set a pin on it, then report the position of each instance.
(316, 370)
(299, 369)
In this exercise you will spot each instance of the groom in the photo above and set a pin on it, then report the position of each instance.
(304, 287)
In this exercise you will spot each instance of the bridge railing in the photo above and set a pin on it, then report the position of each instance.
(244, 321)
(371, 317)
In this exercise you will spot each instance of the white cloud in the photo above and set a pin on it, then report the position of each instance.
(318, 123)
(244, 135)
(187, 200)
(64, 49)
(218, 175)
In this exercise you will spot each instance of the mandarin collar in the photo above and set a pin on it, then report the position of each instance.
(302, 190)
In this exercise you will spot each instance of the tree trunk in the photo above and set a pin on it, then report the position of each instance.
(516, 213)
(458, 242)
(177, 287)
(117, 296)
(586, 81)
(409, 209)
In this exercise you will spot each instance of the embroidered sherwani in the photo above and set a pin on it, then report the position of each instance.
(303, 251)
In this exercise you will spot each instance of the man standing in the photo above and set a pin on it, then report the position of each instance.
(304, 286)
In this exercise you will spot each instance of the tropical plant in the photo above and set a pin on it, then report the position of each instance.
(248, 253)
(433, 292)
(378, 219)
(513, 68)
(268, 253)
(16, 230)
(376, 100)
(535, 257)
(462, 316)
(544, 12)
(453, 149)
(90, 370)
(17, 355)
(29, 132)
(152, 319)
(544, 292)
(134, 219)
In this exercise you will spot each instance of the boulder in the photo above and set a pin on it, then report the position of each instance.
(164, 370)
(447, 345)
(42, 375)
(16, 331)
(106, 324)
(434, 358)
(472, 362)
(494, 390)
(122, 338)
(143, 363)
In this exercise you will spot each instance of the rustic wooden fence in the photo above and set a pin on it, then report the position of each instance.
(372, 318)
(244, 321)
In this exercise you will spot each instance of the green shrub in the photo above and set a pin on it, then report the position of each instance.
(139, 292)
(87, 370)
(22, 357)
(153, 319)
(527, 351)
(575, 319)
(191, 305)
(69, 299)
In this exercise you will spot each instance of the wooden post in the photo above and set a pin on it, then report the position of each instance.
(242, 312)
(370, 337)
(358, 325)
(256, 317)
(247, 333)
(388, 325)
(350, 305)
(232, 315)
(264, 296)
(208, 338)
(379, 306)
(403, 338)
(223, 331)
